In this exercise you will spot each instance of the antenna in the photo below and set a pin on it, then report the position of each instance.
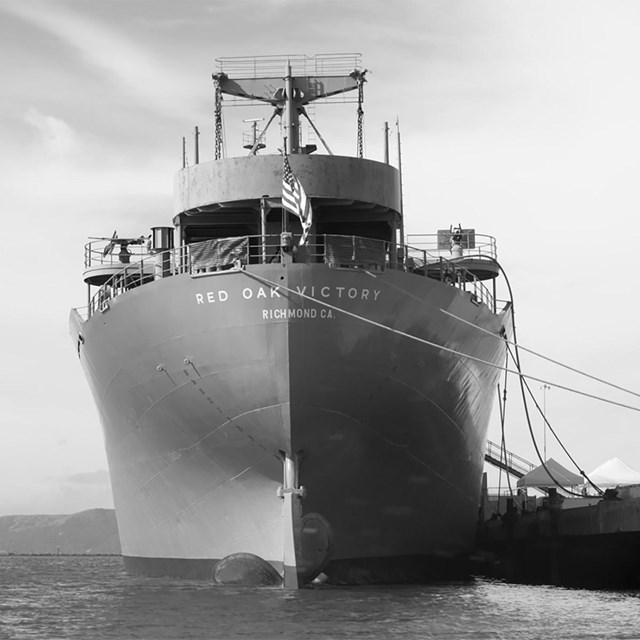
(250, 139)
(400, 177)
(386, 143)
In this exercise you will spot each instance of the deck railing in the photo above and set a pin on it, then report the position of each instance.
(318, 66)
(140, 265)
(500, 457)
(472, 244)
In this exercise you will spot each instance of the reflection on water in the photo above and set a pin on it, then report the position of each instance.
(92, 597)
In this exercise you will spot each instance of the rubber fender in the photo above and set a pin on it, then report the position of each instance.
(245, 569)
(317, 546)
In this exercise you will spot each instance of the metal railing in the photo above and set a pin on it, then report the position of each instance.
(332, 64)
(275, 66)
(507, 460)
(472, 245)
(140, 265)
(114, 251)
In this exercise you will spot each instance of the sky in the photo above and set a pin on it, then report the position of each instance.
(519, 118)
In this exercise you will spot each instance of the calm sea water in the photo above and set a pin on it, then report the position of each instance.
(92, 597)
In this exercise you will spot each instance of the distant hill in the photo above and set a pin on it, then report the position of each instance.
(92, 531)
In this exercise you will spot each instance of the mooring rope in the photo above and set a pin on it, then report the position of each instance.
(512, 343)
(281, 287)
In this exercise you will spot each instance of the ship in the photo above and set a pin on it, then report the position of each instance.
(292, 395)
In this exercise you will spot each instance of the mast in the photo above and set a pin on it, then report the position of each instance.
(306, 80)
(290, 118)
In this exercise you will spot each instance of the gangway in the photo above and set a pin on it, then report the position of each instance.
(507, 461)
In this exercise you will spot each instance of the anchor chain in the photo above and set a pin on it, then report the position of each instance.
(218, 118)
(361, 82)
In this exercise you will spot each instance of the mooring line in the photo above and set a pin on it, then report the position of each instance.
(512, 343)
(281, 287)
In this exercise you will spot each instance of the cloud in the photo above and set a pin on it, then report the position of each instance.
(56, 137)
(74, 168)
(104, 48)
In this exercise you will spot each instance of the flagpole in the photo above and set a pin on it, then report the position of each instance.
(285, 213)
(264, 207)
(295, 200)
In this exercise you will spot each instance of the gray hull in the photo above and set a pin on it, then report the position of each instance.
(204, 384)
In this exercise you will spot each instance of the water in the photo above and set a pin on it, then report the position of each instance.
(92, 597)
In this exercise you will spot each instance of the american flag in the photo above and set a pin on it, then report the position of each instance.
(294, 199)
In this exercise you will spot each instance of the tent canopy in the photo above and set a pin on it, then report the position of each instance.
(539, 477)
(613, 473)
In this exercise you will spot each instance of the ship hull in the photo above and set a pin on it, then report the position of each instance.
(207, 385)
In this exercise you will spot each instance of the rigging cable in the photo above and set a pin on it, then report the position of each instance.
(503, 444)
(523, 384)
(503, 449)
(555, 435)
(522, 377)
(535, 353)
(501, 452)
(435, 345)
(539, 355)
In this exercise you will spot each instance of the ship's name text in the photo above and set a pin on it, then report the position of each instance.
(249, 293)
(284, 314)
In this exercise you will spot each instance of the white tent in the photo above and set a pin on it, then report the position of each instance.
(540, 477)
(612, 473)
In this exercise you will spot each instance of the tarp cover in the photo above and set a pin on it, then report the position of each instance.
(613, 473)
(218, 253)
(352, 250)
(540, 478)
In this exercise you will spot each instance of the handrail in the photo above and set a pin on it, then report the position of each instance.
(436, 245)
(103, 252)
(336, 64)
(495, 453)
(142, 265)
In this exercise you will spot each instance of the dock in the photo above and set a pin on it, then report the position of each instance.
(588, 542)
